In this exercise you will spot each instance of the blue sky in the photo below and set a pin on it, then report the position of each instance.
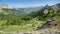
(28, 3)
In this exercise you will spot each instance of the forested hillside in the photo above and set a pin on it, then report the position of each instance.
(10, 19)
(49, 13)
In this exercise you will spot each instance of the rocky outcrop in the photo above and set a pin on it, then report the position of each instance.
(3, 6)
(50, 24)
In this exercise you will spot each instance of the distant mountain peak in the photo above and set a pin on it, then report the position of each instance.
(46, 6)
(3, 6)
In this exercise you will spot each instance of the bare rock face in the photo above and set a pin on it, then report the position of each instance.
(52, 27)
(50, 24)
(59, 6)
(56, 7)
(3, 6)
(54, 24)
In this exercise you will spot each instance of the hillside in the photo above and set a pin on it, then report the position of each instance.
(52, 17)
(19, 11)
(18, 19)
(48, 13)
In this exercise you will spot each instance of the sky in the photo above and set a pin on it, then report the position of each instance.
(28, 3)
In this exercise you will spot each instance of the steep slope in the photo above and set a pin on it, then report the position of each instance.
(52, 14)
(38, 14)
(56, 7)
(32, 9)
(48, 13)
(46, 6)
(13, 11)
(19, 11)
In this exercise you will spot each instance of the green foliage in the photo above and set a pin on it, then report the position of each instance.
(13, 22)
(51, 13)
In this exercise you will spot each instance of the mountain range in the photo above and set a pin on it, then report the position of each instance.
(24, 11)
(32, 18)
(21, 11)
